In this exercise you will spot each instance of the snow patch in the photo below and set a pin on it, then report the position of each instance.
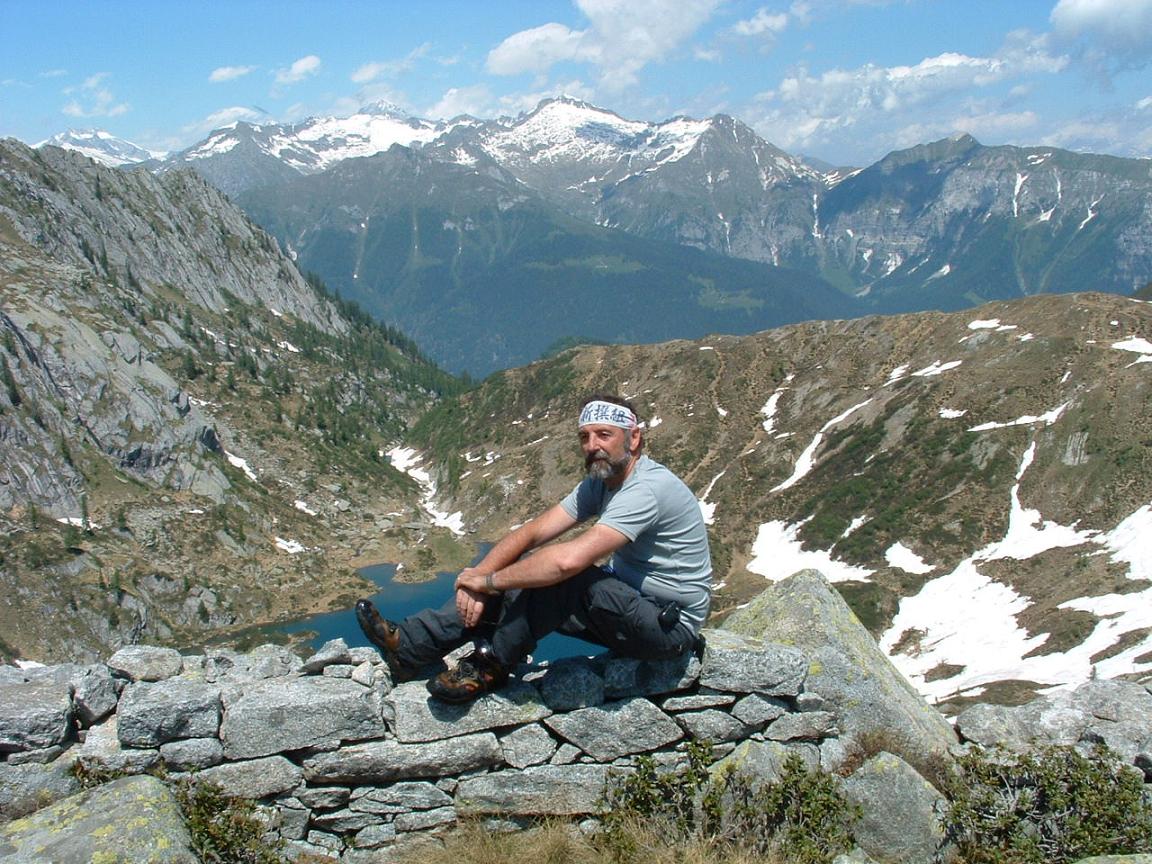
(808, 458)
(1047, 418)
(292, 547)
(777, 553)
(407, 460)
(899, 555)
(242, 464)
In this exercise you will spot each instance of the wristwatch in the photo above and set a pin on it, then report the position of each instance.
(490, 585)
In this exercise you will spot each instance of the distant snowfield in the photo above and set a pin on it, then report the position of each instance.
(964, 618)
(407, 460)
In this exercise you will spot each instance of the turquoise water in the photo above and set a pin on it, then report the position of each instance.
(397, 600)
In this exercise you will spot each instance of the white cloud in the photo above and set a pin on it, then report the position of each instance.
(93, 99)
(298, 71)
(888, 105)
(624, 36)
(1106, 37)
(377, 69)
(1124, 25)
(229, 73)
(762, 22)
(539, 49)
(219, 119)
(475, 100)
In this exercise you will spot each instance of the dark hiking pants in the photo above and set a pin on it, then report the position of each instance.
(592, 605)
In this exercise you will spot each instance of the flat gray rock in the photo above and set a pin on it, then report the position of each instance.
(387, 761)
(154, 713)
(528, 745)
(743, 664)
(545, 790)
(757, 710)
(131, 819)
(571, 683)
(712, 725)
(616, 729)
(192, 754)
(146, 663)
(254, 778)
(34, 715)
(399, 798)
(626, 677)
(809, 726)
(420, 717)
(297, 713)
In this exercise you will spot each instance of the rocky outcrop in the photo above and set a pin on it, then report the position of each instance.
(131, 819)
(1115, 713)
(873, 701)
(341, 763)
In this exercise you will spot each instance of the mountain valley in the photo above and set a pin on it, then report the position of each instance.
(200, 433)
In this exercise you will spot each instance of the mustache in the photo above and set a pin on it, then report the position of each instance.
(597, 454)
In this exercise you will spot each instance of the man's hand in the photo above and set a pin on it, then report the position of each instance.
(471, 595)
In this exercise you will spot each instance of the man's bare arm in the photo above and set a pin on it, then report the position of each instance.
(549, 565)
(543, 529)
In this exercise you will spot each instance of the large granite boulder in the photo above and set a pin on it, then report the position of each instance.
(131, 819)
(877, 706)
(899, 822)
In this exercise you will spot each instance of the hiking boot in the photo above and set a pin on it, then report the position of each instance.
(474, 675)
(385, 636)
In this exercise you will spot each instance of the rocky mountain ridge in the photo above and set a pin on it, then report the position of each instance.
(185, 420)
(943, 225)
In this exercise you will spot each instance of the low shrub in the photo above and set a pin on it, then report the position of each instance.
(801, 818)
(1049, 806)
(224, 830)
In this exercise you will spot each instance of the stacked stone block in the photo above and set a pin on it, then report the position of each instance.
(343, 763)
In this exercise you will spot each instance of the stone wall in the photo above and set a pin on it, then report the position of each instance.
(341, 761)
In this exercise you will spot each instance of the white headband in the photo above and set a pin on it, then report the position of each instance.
(608, 413)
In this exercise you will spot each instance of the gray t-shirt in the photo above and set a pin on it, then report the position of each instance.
(668, 555)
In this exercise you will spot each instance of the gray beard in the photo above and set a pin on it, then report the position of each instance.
(606, 469)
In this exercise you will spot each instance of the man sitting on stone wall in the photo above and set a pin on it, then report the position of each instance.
(649, 602)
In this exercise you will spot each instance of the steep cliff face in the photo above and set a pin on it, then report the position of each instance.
(168, 382)
(953, 223)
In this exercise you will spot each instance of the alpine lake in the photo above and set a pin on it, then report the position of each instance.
(397, 600)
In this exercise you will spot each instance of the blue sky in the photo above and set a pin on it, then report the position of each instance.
(843, 80)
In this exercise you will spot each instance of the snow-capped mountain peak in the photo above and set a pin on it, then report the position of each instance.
(102, 146)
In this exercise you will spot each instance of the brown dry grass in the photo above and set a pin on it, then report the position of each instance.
(560, 842)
